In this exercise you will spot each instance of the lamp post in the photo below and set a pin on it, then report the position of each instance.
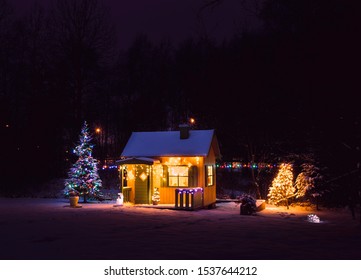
(98, 132)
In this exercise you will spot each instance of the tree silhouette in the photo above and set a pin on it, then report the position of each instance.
(84, 46)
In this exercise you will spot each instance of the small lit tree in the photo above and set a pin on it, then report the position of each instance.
(156, 196)
(83, 177)
(282, 185)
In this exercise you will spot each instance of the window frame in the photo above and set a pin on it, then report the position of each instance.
(210, 176)
(177, 176)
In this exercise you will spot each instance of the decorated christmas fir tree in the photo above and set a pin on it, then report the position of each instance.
(283, 188)
(282, 185)
(83, 178)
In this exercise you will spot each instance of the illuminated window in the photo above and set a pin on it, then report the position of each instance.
(178, 176)
(210, 175)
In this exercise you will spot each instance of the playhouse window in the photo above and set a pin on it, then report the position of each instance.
(210, 175)
(178, 176)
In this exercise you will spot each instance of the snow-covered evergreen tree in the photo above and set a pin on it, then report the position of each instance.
(306, 180)
(83, 177)
(282, 185)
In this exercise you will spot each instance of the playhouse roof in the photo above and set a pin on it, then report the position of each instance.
(169, 143)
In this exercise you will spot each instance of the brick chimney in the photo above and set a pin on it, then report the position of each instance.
(184, 131)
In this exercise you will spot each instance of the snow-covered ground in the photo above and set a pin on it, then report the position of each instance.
(50, 229)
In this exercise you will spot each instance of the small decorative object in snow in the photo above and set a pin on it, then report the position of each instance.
(248, 205)
(120, 199)
(312, 218)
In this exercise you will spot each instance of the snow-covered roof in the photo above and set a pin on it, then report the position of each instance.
(169, 143)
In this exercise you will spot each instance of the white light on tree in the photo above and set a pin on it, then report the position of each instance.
(282, 185)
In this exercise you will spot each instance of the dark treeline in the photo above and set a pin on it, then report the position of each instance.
(288, 88)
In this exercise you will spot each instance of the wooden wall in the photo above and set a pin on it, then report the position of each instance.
(158, 178)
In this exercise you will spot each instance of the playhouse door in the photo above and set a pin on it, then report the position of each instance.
(142, 188)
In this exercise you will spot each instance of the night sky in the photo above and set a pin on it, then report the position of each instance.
(274, 81)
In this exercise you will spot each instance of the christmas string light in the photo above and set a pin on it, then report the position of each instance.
(239, 165)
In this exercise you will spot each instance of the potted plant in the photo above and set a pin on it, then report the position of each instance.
(156, 196)
(73, 198)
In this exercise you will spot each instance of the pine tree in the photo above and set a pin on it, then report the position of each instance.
(306, 181)
(282, 185)
(83, 177)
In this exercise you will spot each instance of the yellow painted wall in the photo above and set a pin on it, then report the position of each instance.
(209, 192)
(167, 194)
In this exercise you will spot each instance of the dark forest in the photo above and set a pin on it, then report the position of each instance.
(288, 89)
